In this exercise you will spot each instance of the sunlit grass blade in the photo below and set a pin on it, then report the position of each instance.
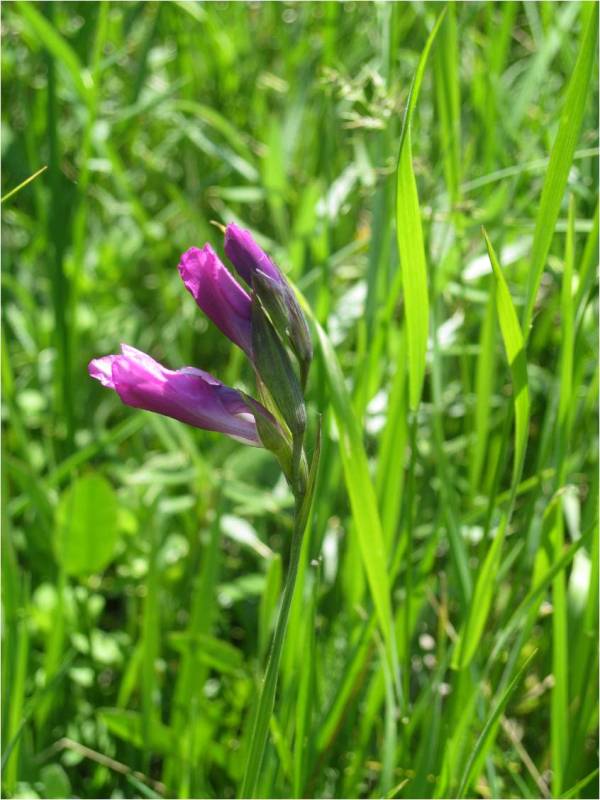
(583, 662)
(484, 385)
(389, 478)
(586, 272)
(514, 346)
(303, 744)
(569, 128)
(483, 740)
(447, 85)
(550, 44)
(574, 790)
(560, 638)
(409, 234)
(536, 593)
(23, 184)
(361, 493)
(191, 672)
(451, 510)
(31, 706)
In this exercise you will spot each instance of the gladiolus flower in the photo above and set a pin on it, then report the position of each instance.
(276, 294)
(218, 294)
(257, 324)
(247, 257)
(189, 395)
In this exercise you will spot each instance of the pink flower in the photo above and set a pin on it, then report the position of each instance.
(218, 294)
(189, 395)
(247, 257)
(276, 294)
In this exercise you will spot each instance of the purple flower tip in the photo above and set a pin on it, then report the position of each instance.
(101, 370)
(218, 294)
(246, 256)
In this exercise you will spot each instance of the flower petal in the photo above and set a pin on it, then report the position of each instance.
(101, 370)
(189, 395)
(218, 294)
(246, 256)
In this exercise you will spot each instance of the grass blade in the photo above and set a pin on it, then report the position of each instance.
(490, 725)
(447, 84)
(569, 128)
(484, 385)
(515, 353)
(514, 347)
(266, 700)
(574, 790)
(560, 662)
(409, 233)
(23, 184)
(361, 493)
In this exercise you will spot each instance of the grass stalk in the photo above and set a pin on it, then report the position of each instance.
(266, 699)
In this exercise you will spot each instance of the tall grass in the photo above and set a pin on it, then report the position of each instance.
(443, 636)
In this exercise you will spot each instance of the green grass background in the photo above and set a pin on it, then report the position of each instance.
(142, 560)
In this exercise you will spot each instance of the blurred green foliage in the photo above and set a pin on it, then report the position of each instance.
(142, 560)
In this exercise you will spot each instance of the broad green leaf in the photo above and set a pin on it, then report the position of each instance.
(56, 781)
(86, 526)
(561, 159)
(409, 234)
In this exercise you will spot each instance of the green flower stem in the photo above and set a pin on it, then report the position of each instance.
(266, 700)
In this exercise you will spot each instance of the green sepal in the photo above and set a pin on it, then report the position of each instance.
(274, 437)
(276, 371)
(286, 315)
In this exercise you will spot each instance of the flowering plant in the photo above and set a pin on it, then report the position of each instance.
(267, 323)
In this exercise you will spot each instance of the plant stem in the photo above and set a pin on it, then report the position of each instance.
(266, 700)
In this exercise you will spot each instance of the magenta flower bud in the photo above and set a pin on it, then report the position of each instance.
(275, 293)
(218, 294)
(189, 395)
(247, 257)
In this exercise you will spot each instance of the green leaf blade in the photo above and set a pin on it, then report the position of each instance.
(561, 159)
(409, 235)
